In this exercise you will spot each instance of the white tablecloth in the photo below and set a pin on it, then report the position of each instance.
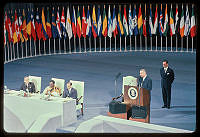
(28, 109)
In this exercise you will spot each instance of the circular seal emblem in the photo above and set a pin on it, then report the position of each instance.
(132, 93)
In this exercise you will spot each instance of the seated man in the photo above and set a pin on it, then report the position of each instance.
(70, 92)
(27, 86)
(52, 89)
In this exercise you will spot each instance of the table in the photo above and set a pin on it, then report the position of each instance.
(28, 109)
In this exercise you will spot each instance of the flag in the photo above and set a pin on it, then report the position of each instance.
(74, 22)
(28, 27)
(44, 28)
(119, 23)
(58, 24)
(38, 25)
(130, 21)
(176, 20)
(89, 25)
(15, 39)
(5, 33)
(182, 23)
(62, 24)
(33, 26)
(166, 22)
(84, 24)
(155, 21)
(150, 23)
(144, 27)
(17, 26)
(125, 22)
(171, 22)
(68, 24)
(24, 29)
(20, 28)
(53, 24)
(109, 23)
(193, 25)
(114, 25)
(99, 24)
(8, 27)
(94, 23)
(104, 30)
(187, 23)
(140, 20)
(48, 25)
(135, 22)
(160, 27)
(78, 27)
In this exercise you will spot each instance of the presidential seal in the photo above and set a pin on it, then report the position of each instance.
(132, 93)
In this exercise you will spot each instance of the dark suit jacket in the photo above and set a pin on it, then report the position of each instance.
(166, 78)
(72, 94)
(31, 87)
(147, 83)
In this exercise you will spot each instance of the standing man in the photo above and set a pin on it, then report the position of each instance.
(167, 78)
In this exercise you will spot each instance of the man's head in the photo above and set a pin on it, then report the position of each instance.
(165, 63)
(69, 85)
(143, 73)
(51, 83)
(26, 79)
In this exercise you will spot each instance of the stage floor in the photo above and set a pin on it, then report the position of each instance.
(98, 71)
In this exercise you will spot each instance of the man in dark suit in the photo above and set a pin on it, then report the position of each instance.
(167, 78)
(70, 92)
(27, 86)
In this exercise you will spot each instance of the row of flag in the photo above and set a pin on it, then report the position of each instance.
(20, 27)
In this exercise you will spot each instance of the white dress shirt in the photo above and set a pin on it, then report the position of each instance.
(165, 69)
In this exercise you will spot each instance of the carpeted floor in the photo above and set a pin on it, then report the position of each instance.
(98, 71)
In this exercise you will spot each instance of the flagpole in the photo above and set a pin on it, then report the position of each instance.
(115, 44)
(39, 48)
(110, 45)
(14, 50)
(59, 47)
(135, 44)
(74, 44)
(125, 43)
(166, 43)
(79, 45)
(146, 43)
(85, 44)
(192, 44)
(140, 43)
(90, 43)
(181, 44)
(151, 42)
(187, 43)
(161, 42)
(26, 49)
(69, 45)
(54, 45)
(10, 51)
(5, 55)
(17, 51)
(100, 43)
(130, 44)
(22, 49)
(64, 46)
(120, 44)
(95, 44)
(35, 48)
(171, 43)
(156, 42)
(176, 43)
(30, 48)
(49, 46)
(44, 48)
(105, 44)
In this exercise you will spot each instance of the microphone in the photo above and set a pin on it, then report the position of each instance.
(117, 76)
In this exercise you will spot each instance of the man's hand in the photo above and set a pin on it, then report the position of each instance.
(113, 98)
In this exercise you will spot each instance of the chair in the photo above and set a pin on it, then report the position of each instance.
(60, 83)
(129, 80)
(37, 82)
(79, 86)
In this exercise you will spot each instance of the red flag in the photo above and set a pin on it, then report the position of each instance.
(33, 26)
(38, 25)
(8, 26)
(144, 27)
(84, 24)
(17, 26)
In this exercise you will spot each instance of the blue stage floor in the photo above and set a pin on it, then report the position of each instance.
(98, 71)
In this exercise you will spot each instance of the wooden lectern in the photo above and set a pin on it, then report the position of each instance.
(133, 99)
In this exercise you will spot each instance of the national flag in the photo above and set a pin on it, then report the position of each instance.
(58, 24)
(130, 21)
(84, 23)
(114, 23)
(160, 27)
(44, 28)
(5, 33)
(78, 27)
(99, 23)
(8, 27)
(104, 30)
(74, 22)
(166, 22)
(119, 23)
(187, 23)
(140, 22)
(182, 23)
(176, 20)
(15, 39)
(17, 26)
(89, 25)
(38, 25)
(125, 22)
(193, 25)
(155, 21)
(53, 24)
(109, 23)
(48, 25)
(171, 22)
(62, 24)
(150, 23)
(24, 26)
(28, 27)
(94, 23)
(20, 28)
(144, 27)
(135, 22)
(68, 24)
(33, 26)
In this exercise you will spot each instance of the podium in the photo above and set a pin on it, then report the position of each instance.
(131, 97)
